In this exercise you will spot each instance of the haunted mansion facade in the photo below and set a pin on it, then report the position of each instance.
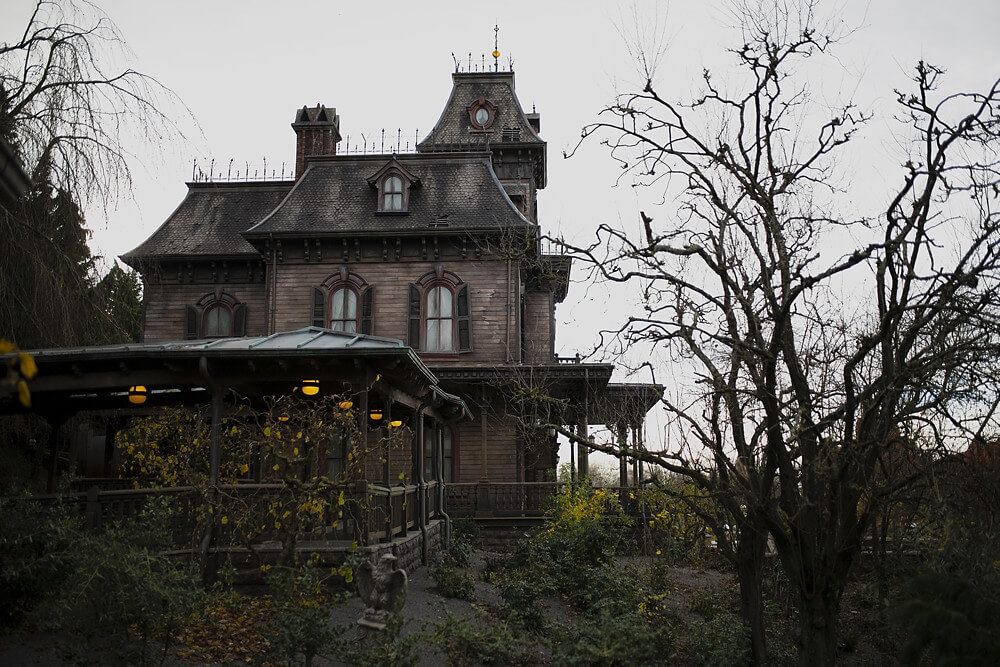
(439, 248)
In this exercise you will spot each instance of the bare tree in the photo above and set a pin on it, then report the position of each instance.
(68, 102)
(816, 336)
(70, 109)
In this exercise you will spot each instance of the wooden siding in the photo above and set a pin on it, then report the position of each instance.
(164, 305)
(488, 301)
(539, 344)
(501, 450)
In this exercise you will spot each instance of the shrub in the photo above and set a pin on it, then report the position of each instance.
(466, 642)
(450, 581)
(118, 583)
(607, 636)
(301, 629)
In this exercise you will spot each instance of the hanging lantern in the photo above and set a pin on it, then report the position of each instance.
(396, 423)
(137, 394)
(346, 404)
(375, 414)
(309, 387)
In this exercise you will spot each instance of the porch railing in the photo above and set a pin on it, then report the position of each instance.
(370, 513)
(517, 499)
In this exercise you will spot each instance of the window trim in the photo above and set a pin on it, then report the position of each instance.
(322, 301)
(196, 321)
(476, 105)
(461, 329)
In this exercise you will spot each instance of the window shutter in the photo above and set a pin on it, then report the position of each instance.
(464, 319)
(319, 307)
(368, 310)
(413, 330)
(240, 319)
(190, 322)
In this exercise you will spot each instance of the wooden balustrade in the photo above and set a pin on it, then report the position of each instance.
(370, 513)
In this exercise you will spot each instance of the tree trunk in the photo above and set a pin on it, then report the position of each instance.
(750, 572)
(818, 629)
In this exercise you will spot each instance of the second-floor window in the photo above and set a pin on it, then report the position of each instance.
(344, 302)
(344, 310)
(439, 315)
(439, 323)
(216, 315)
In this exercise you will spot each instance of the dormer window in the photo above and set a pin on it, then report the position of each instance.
(394, 183)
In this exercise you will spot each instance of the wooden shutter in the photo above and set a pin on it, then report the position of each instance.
(368, 310)
(318, 307)
(240, 319)
(190, 322)
(413, 329)
(464, 320)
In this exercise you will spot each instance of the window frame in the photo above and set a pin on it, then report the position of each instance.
(364, 302)
(418, 311)
(380, 181)
(474, 107)
(196, 316)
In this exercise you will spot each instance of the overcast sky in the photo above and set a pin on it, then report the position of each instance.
(243, 68)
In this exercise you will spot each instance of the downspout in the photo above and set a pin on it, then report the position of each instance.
(273, 291)
(508, 311)
(418, 474)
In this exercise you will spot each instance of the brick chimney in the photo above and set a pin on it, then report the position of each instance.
(317, 131)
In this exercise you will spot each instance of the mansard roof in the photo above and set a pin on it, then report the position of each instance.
(334, 197)
(209, 221)
(454, 128)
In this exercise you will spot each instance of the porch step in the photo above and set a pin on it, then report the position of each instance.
(504, 533)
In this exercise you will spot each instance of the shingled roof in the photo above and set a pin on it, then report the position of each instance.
(334, 196)
(454, 127)
(209, 221)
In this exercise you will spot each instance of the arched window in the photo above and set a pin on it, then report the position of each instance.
(217, 321)
(439, 323)
(439, 316)
(344, 302)
(392, 194)
(216, 315)
(344, 310)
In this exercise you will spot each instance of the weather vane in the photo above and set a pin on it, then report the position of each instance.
(496, 48)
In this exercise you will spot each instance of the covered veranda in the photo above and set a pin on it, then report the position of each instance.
(380, 376)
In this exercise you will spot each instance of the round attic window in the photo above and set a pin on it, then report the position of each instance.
(482, 113)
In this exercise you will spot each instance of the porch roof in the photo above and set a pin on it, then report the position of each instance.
(98, 377)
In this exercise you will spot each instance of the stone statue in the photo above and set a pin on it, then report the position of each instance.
(383, 589)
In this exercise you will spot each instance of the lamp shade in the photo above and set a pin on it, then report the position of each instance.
(309, 387)
(137, 394)
(375, 414)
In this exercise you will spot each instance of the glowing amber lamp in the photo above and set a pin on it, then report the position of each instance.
(376, 415)
(137, 394)
(309, 387)
(396, 423)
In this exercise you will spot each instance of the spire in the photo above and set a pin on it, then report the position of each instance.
(496, 48)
